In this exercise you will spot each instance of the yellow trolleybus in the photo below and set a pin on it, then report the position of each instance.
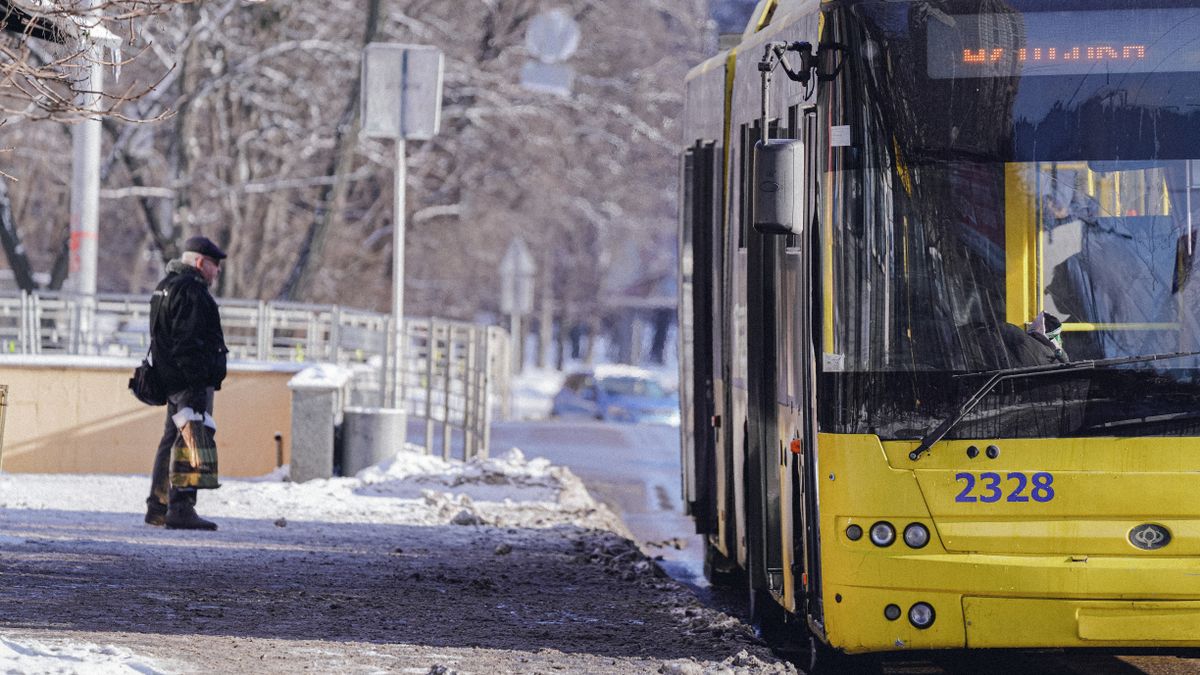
(887, 209)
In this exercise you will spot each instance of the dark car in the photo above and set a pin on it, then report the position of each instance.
(620, 394)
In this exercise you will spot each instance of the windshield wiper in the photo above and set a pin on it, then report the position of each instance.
(1020, 372)
(1165, 418)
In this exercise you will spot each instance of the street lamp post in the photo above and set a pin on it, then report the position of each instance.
(401, 100)
(85, 192)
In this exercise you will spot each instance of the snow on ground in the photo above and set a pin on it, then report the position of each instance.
(51, 657)
(416, 565)
(507, 491)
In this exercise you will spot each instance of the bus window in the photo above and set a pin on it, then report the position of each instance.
(1112, 249)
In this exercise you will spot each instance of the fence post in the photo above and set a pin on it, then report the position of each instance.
(312, 352)
(469, 402)
(485, 379)
(507, 375)
(446, 374)
(430, 355)
(334, 348)
(35, 330)
(262, 331)
(24, 324)
(403, 344)
(72, 325)
(389, 353)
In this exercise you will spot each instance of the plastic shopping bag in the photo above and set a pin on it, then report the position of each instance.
(194, 457)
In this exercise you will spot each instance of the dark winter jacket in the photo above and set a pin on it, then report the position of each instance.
(185, 331)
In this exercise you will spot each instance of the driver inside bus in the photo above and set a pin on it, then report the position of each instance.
(1046, 329)
(1010, 346)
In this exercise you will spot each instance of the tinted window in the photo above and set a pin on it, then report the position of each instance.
(632, 386)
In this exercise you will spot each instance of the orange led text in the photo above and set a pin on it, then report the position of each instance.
(1056, 54)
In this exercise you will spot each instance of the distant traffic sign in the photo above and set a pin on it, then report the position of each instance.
(548, 78)
(517, 269)
(402, 91)
(552, 36)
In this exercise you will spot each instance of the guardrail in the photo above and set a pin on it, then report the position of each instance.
(455, 374)
(3, 413)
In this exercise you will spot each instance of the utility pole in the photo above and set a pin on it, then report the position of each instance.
(85, 190)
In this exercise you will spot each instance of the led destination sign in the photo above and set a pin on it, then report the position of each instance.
(1064, 43)
(1090, 53)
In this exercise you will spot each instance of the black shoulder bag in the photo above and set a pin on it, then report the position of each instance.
(145, 384)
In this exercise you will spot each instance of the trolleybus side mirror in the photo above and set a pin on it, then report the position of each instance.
(776, 198)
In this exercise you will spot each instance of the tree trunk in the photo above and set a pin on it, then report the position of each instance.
(593, 333)
(11, 239)
(662, 326)
(182, 148)
(62, 264)
(546, 320)
(331, 196)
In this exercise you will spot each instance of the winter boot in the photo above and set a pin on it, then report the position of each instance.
(156, 513)
(182, 516)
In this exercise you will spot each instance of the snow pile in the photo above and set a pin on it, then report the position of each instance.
(411, 489)
(321, 376)
(742, 663)
(36, 657)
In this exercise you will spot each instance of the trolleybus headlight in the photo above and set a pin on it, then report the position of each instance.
(921, 615)
(891, 612)
(854, 533)
(916, 536)
(883, 534)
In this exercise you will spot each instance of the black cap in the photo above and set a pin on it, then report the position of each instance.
(205, 247)
(1053, 324)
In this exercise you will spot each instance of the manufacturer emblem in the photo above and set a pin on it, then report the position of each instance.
(1149, 537)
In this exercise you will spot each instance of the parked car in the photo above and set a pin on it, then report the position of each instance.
(618, 394)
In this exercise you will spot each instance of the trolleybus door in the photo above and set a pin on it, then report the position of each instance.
(696, 304)
(761, 498)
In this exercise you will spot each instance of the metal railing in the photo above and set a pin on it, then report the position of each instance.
(455, 374)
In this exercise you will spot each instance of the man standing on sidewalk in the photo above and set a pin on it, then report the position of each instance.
(188, 352)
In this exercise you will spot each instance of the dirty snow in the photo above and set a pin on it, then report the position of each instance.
(418, 564)
(36, 657)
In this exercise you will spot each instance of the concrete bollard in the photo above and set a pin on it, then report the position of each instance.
(319, 395)
(371, 435)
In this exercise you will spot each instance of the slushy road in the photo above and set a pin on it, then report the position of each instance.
(635, 470)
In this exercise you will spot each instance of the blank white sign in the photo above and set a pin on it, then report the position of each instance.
(402, 91)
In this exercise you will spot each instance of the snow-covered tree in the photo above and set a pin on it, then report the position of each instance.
(260, 151)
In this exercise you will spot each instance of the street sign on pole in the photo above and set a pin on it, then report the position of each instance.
(402, 91)
(516, 295)
(401, 100)
(517, 269)
(551, 38)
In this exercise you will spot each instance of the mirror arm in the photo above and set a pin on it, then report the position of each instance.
(775, 54)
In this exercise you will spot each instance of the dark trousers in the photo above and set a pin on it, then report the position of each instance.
(161, 491)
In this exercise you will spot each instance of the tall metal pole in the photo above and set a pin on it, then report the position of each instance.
(765, 68)
(85, 194)
(398, 219)
(518, 343)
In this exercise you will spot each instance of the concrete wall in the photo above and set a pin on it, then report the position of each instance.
(76, 415)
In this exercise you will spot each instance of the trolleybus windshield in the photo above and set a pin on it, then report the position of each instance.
(975, 196)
